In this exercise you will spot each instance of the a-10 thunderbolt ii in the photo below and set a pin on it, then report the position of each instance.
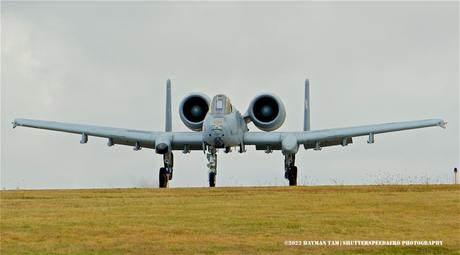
(217, 125)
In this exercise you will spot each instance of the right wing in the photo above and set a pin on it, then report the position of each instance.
(131, 137)
(330, 137)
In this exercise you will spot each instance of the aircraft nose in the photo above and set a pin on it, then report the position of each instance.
(218, 138)
(218, 142)
(215, 137)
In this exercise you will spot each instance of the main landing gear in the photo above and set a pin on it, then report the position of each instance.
(290, 170)
(212, 166)
(166, 172)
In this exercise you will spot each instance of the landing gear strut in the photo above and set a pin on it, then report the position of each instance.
(212, 166)
(166, 172)
(290, 170)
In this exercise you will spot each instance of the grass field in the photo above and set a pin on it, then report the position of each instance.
(229, 220)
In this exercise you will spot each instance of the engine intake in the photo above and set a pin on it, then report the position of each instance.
(267, 112)
(193, 110)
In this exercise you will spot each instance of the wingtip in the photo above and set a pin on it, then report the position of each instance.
(443, 124)
(15, 124)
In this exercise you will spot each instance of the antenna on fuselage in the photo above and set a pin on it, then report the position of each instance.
(306, 112)
(168, 120)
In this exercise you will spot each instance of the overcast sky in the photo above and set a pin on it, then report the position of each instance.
(106, 64)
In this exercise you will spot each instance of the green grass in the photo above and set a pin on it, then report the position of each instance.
(229, 220)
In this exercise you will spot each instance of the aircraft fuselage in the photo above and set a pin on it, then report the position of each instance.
(224, 130)
(223, 126)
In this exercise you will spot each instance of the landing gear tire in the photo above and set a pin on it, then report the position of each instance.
(163, 178)
(212, 179)
(292, 176)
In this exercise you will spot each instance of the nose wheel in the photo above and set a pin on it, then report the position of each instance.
(212, 179)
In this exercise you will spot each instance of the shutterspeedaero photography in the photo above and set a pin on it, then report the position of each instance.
(229, 127)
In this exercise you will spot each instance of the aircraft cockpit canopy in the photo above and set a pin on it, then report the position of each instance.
(221, 105)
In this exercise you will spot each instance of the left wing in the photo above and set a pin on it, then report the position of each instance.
(330, 137)
(131, 137)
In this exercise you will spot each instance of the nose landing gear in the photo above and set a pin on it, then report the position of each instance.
(290, 170)
(212, 179)
(212, 166)
(166, 172)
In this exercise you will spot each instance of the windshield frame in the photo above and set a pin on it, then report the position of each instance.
(221, 105)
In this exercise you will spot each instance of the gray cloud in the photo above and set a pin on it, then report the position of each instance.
(106, 63)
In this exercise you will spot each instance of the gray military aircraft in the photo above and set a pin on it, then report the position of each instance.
(218, 125)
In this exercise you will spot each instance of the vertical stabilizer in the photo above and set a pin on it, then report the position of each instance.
(306, 113)
(168, 121)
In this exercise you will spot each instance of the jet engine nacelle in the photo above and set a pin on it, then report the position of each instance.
(267, 112)
(193, 110)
